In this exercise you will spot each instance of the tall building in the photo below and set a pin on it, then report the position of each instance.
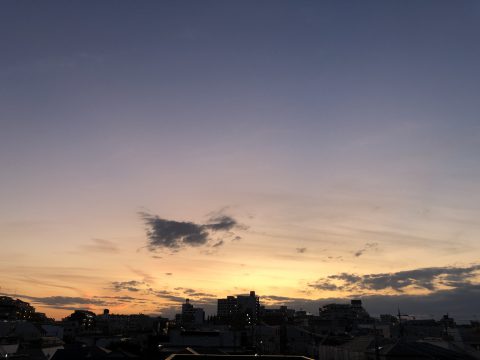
(191, 314)
(226, 308)
(243, 308)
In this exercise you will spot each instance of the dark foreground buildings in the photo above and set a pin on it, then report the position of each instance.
(241, 329)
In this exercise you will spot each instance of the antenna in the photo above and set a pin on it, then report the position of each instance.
(400, 324)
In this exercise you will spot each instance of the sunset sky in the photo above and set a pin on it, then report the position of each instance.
(157, 150)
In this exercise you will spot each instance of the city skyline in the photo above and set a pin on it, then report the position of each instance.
(312, 152)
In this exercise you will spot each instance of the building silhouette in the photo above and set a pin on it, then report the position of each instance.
(241, 308)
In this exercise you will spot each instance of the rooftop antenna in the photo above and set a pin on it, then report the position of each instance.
(401, 327)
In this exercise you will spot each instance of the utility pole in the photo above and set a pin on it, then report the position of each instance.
(377, 350)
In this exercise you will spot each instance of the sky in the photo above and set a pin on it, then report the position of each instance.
(311, 151)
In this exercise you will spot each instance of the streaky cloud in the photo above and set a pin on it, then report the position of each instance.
(132, 285)
(431, 279)
(101, 246)
(366, 247)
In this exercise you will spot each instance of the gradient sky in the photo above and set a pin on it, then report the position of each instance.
(340, 136)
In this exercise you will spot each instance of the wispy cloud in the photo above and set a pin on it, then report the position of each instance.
(146, 277)
(366, 247)
(67, 300)
(218, 243)
(101, 245)
(72, 302)
(193, 292)
(131, 285)
(168, 295)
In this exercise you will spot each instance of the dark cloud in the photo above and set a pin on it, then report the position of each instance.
(127, 299)
(423, 278)
(202, 295)
(325, 285)
(131, 285)
(66, 300)
(60, 302)
(366, 247)
(349, 278)
(461, 303)
(194, 293)
(167, 295)
(163, 233)
(74, 303)
(185, 290)
(221, 223)
(218, 243)
(301, 250)
(179, 295)
(175, 235)
(277, 298)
